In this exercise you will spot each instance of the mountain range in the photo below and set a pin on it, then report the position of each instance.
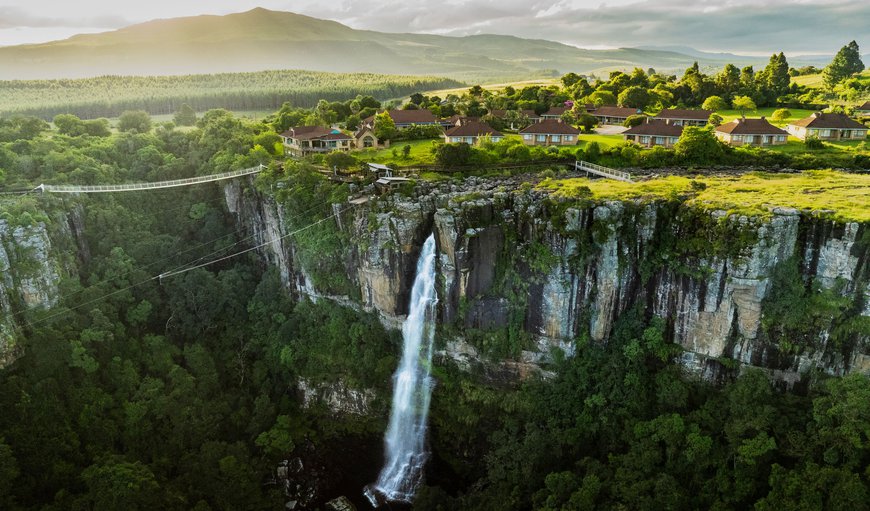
(261, 39)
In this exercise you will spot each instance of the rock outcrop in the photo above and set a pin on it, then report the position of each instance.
(29, 278)
(561, 271)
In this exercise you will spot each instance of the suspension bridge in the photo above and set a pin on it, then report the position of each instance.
(130, 187)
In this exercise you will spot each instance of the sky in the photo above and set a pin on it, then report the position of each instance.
(757, 27)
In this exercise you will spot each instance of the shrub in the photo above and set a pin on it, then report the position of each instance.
(813, 143)
(781, 114)
(634, 120)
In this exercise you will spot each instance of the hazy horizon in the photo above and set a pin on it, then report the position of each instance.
(780, 25)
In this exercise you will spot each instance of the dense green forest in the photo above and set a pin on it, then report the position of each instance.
(108, 96)
(137, 393)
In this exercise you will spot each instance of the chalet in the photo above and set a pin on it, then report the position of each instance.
(304, 140)
(613, 114)
(828, 127)
(682, 117)
(406, 118)
(457, 120)
(530, 114)
(654, 133)
(756, 132)
(863, 110)
(555, 112)
(471, 133)
(550, 132)
(365, 138)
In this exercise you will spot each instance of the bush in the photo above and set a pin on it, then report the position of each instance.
(781, 114)
(634, 120)
(451, 155)
(813, 143)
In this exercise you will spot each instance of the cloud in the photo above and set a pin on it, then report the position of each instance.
(16, 17)
(725, 25)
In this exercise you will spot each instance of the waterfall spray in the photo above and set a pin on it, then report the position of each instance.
(405, 440)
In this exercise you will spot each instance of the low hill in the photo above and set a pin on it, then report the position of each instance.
(261, 39)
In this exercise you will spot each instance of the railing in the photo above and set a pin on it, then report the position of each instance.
(603, 171)
(149, 186)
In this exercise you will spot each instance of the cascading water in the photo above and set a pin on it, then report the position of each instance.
(406, 434)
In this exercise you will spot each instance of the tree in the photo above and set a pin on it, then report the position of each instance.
(135, 120)
(97, 127)
(69, 124)
(776, 77)
(743, 103)
(385, 127)
(634, 97)
(570, 79)
(451, 155)
(781, 114)
(698, 145)
(714, 104)
(601, 97)
(634, 120)
(340, 160)
(715, 119)
(586, 121)
(185, 116)
(846, 63)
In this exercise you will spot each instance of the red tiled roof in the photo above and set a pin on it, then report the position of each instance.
(833, 121)
(472, 129)
(551, 127)
(312, 132)
(865, 106)
(655, 129)
(744, 126)
(678, 113)
(556, 110)
(412, 116)
(615, 111)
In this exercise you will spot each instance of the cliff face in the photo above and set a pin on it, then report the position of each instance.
(549, 272)
(28, 278)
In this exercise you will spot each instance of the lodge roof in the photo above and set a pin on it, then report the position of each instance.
(551, 127)
(655, 129)
(556, 110)
(472, 129)
(615, 111)
(744, 126)
(307, 132)
(834, 121)
(684, 114)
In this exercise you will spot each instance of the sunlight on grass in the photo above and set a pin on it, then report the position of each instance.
(838, 195)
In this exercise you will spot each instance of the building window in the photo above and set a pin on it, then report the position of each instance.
(526, 136)
(455, 139)
(569, 138)
(780, 138)
(557, 138)
(644, 139)
(824, 133)
(541, 138)
(469, 140)
(659, 141)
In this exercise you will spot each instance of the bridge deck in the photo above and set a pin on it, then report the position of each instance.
(129, 187)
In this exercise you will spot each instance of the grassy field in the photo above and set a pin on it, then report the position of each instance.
(796, 113)
(442, 93)
(603, 140)
(817, 82)
(421, 153)
(838, 195)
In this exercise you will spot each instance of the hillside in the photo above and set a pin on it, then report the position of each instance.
(261, 39)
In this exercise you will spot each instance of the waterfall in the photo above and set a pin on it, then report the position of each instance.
(405, 440)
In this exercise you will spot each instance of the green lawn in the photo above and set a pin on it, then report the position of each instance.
(604, 141)
(842, 196)
(795, 146)
(796, 113)
(421, 153)
(817, 82)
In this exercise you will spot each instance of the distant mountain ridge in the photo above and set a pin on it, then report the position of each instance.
(261, 39)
